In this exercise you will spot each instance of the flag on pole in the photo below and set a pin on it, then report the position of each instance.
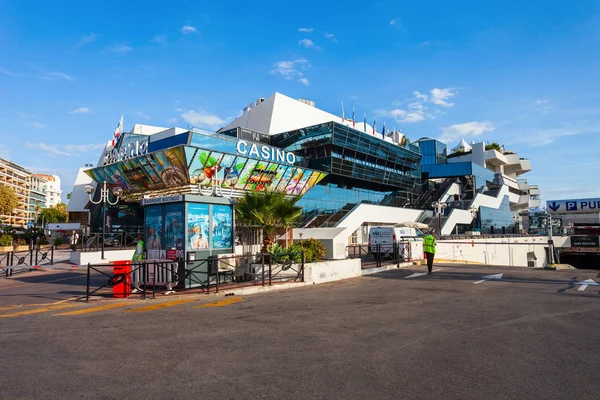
(343, 118)
(365, 123)
(118, 131)
(374, 125)
(383, 131)
(353, 118)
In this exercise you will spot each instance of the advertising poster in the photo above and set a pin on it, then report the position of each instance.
(222, 227)
(198, 220)
(154, 227)
(174, 227)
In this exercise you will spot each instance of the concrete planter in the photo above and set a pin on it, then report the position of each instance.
(21, 248)
(6, 249)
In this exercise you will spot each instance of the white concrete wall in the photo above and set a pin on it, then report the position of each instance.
(512, 251)
(452, 190)
(376, 214)
(458, 216)
(329, 271)
(95, 257)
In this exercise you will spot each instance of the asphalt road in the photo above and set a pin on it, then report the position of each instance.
(530, 335)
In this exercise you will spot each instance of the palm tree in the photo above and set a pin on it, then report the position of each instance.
(269, 211)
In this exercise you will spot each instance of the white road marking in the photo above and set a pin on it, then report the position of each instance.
(489, 278)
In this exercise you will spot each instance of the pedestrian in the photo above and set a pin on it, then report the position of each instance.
(74, 239)
(429, 244)
(138, 254)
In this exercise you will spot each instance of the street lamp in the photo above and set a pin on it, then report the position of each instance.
(473, 210)
(439, 208)
(104, 198)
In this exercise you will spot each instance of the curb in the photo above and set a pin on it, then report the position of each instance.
(385, 268)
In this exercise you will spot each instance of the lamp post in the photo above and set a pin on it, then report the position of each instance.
(474, 211)
(104, 198)
(439, 208)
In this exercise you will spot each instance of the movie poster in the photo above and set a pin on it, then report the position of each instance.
(154, 227)
(174, 227)
(222, 227)
(198, 226)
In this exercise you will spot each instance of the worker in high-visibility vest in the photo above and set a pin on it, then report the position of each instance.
(429, 244)
(138, 254)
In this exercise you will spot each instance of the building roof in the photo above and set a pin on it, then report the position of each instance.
(280, 113)
(462, 146)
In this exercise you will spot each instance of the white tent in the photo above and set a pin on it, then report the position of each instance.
(462, 146)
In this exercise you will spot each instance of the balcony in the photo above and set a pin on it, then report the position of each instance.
(495, 158)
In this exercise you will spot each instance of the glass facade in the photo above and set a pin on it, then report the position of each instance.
(433, 151)
(497, 221)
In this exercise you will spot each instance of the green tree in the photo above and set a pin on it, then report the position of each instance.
(494, 146)
(54, 215)
(69, 195)
(8, 200)
(269, 211)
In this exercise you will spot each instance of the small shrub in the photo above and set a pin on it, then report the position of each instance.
(6, 239)
(43, 241)
(314, 250)
(21, 242)
(59, 241)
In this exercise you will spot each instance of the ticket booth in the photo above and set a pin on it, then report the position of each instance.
(189, 229)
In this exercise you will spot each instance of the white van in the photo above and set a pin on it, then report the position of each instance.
(386, 236)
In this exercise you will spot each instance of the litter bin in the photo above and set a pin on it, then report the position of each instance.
(121, 279)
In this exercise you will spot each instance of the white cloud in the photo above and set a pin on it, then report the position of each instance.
(53, 76)
(36, 125)
(84, 148)
(201, 119)
(466, 130)
(304, 81)
(439, 96)
(420, 96)
(7, 72)
(307, 43)
(159, 39)
(395, 21)
(50, 150)
(290, 69)
(67, 150)
(187, 29)
(305, 30)
(81, 110)
(331, 37)
(142, 115)
(120, 48)
(543, 106)
(85, 40)
(353, 97)
(172, 121)
(543, 137)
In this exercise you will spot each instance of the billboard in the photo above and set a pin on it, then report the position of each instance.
(198, 226)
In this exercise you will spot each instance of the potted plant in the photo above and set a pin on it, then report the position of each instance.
(6, 243)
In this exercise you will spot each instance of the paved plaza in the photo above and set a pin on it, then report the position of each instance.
(465, 332)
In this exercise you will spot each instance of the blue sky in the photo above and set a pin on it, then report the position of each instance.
(524, 74)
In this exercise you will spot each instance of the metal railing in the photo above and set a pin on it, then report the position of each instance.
(93, 241)
(21, 261)
(133, 278)
(392, 253)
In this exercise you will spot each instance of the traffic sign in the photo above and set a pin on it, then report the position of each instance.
(577, 206)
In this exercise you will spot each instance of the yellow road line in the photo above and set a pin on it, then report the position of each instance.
(162, 305)
(55, 303)
(36, 311)
(35, 283)
(94, 309)
(221, 303)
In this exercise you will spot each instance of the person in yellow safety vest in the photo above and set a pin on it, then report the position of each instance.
(429, 244)
(138, 254)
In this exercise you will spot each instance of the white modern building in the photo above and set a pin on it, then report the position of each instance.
(372, 178)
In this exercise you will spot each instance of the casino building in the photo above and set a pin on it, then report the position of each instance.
(348, 176)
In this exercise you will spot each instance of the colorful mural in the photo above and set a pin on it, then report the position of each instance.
(187, 165)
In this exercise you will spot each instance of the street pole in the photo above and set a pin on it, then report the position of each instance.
(550, 241)
(103, 225)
